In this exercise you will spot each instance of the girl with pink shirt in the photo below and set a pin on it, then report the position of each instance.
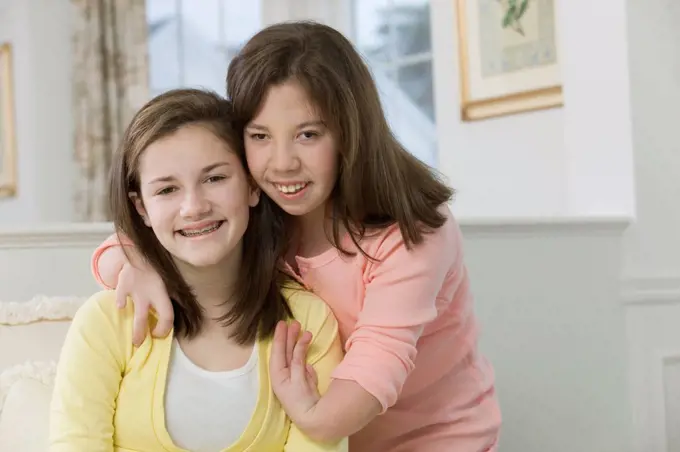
(374, 238)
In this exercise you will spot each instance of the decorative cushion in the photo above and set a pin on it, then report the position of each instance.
(31, 337)
(34, 330)
(25, 395)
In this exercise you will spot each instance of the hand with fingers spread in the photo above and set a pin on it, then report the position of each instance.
(145, 287)
(294, 381)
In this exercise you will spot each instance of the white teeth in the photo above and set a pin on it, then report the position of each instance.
(198, 232)
(290, 189)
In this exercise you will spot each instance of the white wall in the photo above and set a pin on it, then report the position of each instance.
(39, 33)
(552, 162)
(552, 325)
(509, 166)
(651, 263)
(654, 241)
(48, 259)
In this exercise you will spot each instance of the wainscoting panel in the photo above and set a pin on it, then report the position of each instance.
(548, 299)
(652, 306)
(671, 391)
(51, 260)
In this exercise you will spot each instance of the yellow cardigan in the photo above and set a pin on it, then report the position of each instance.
(109, 396)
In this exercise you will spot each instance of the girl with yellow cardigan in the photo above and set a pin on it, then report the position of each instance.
(180, 192)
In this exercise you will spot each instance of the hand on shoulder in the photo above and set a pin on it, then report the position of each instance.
(142, 285)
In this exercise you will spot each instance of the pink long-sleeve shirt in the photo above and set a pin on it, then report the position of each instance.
(410, 336)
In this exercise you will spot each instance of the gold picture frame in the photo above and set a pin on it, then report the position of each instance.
(8, 151)
(508, 57)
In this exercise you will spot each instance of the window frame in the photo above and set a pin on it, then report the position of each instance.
(178, 10)
(394, 60)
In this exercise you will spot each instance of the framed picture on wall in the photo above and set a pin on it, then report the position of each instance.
(8, 183)
(509, 59)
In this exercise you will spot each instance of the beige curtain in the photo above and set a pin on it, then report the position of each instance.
(110, 82)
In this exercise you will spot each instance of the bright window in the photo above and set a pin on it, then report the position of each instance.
(191, 43)
(394, 36)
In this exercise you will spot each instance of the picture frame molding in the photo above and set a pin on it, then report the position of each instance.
(514, 103)
(8, 153)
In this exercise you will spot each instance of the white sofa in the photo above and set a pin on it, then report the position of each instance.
(31, 336)
(37, 259)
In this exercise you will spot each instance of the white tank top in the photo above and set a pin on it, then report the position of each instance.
(208, 411)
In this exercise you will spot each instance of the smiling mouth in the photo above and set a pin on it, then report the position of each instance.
(203, 231)
(291, 189)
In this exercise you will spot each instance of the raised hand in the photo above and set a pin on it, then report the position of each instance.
(293, 380)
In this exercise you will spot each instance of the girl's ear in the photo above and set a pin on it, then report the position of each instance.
(139, 205)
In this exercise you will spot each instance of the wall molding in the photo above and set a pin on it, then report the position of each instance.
(668, 409)
(545, 225)
(650, 290)
(49, 235)
(60, 234)
(54, 235)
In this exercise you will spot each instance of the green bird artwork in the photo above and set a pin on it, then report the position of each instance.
(513, 12)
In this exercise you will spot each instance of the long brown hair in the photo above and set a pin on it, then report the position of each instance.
(257, 304)
(380, 183)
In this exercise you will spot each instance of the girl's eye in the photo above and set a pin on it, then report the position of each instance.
(165, 191)
(258, 136)
(213, 179)
(309, 134)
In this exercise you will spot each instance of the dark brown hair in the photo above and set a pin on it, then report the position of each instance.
(379, 183)
(257, 304)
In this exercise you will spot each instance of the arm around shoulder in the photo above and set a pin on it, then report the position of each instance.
(108, 260)
(402, 287)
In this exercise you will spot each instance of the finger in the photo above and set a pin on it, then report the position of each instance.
(298, 364)
(293, 334)
(122, 290)
(121, 297)
(141, 323)
(277, 360)
(166, 317)
(312, 377)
